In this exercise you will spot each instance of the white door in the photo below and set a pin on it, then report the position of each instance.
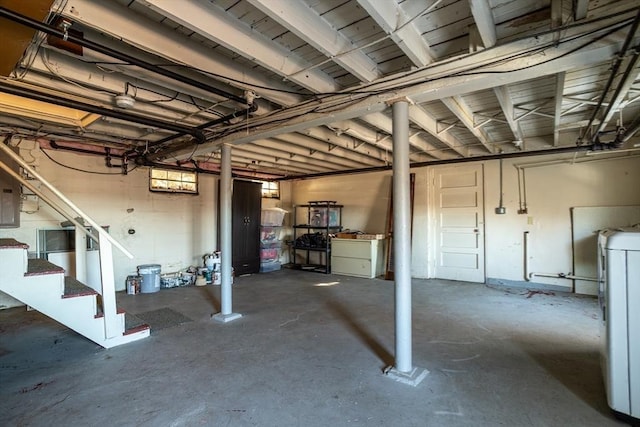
(458, 224)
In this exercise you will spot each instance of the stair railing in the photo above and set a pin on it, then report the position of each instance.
(112, 325)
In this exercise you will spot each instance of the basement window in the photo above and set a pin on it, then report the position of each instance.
(172, 181)
(270, 189)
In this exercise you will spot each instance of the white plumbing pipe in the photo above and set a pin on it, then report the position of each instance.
(526, 256)
(563, 276)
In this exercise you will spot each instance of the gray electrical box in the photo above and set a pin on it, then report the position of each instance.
(9, 195)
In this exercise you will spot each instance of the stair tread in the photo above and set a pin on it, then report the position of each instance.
(37, 266)
(75, 288)
(8, 243)
(133, 324)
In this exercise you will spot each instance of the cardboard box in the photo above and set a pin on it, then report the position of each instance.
(370, 236)
(346, 235)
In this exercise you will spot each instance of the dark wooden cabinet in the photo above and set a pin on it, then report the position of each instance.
(245, 217)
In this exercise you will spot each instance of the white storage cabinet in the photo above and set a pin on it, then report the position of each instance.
(357, 257)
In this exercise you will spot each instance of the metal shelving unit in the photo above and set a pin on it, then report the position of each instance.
(323, 218)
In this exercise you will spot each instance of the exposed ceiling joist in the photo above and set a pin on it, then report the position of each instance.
(399, 26)
(311, 143)
(431, 89)
(483, 18)
(417, 142)
(121, 24)
(480, 76)
(295, 151)
(312, 28)
(558, 108)
(426, 121)
(462, 111)
(394, 21)
(234, 35)
(623, 85)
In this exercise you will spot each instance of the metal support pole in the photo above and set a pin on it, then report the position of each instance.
(403, 370)
(402, 237)
(226, 189)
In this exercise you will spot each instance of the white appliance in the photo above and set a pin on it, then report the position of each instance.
(619, 294)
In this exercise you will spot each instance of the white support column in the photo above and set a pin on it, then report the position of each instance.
(403, 371)
(226, 189)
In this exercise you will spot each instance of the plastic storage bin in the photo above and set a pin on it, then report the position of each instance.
(269, 235)
(266, 267)
(150, 282)
(269, 254)
(272, 216)
(318, 217)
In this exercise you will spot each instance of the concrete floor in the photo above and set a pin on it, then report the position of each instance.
(309, 351)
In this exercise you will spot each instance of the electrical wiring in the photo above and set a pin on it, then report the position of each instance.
(29, 57)
(469, 72)
(47, 63)
(175, 97)
(319, 95)
(82, 170)
(558, 30)
(319, 104)
(527, 53)
(189, 157)
(31, 54)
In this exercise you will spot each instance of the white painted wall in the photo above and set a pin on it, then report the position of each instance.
(365, 197)
(552, 189)
(170, 229)
(176, 230)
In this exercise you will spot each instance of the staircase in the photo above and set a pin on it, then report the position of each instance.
(43, 286)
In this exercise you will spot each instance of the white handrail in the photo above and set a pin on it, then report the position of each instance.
(95, 225)
(112, 323)
(46, 199)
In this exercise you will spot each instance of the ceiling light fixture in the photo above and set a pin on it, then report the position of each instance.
(125, 101)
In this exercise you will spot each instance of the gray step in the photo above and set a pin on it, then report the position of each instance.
(12, 244)
(74, 288)
(133, 324)
(37, 267)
